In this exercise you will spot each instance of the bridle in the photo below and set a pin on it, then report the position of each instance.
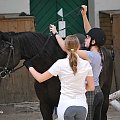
(5, 70)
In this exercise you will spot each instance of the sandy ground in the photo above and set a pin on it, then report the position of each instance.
(30, 111)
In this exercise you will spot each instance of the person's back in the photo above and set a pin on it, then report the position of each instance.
(72, 89)
(95, 61)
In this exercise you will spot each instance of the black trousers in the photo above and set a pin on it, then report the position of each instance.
(98, 101)
(95, 102)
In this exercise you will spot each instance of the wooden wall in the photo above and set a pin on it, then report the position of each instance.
(17, 24)
(106, 25)
(116, 47)
(110, 23)
(19, 86)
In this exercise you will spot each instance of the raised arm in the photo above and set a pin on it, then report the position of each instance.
(61, 42)
(83, 54)
(87, 25)
(58, 37)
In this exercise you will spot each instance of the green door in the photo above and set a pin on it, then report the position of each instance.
(46, 13)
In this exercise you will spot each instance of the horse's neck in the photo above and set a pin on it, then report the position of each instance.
(31, 43)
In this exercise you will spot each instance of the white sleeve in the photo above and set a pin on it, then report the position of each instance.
(55, 68)
(90, 72)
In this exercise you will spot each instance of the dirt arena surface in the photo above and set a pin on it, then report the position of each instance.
(30, 111)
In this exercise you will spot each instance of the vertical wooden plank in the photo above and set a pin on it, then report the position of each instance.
(106, 25)
(116, 31)
(12, 25)
(1, 25)
(20, 25)
(116, 47)
(29, 24)
(5, 27)
(117, 68)
(32, 25)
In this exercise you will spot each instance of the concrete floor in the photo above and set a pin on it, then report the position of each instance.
(30, 111)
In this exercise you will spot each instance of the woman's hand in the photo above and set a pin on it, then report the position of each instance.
(83, 9)
(53, 29)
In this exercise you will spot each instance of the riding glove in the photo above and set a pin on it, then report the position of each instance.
(27, 64)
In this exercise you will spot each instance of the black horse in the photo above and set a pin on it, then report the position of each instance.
(28, 45)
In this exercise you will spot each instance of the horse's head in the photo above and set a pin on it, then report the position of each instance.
(9, 52)
(81, 38)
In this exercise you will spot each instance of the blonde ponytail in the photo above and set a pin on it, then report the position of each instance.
(73, 62)
(72, 44)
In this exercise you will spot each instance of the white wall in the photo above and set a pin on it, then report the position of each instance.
(14, 6)
(97, 5)
(18, 6)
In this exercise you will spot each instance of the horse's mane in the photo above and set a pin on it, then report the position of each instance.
(31, 43)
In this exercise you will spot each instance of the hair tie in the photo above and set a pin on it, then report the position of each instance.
(72, 50)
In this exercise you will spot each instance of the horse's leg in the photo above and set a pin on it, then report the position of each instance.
(42, 94)
(48, 94)
(98, 101)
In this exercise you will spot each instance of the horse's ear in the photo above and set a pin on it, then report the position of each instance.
(81, 38)
(23, 14)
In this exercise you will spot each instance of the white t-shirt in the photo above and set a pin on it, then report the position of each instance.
(72, 86)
